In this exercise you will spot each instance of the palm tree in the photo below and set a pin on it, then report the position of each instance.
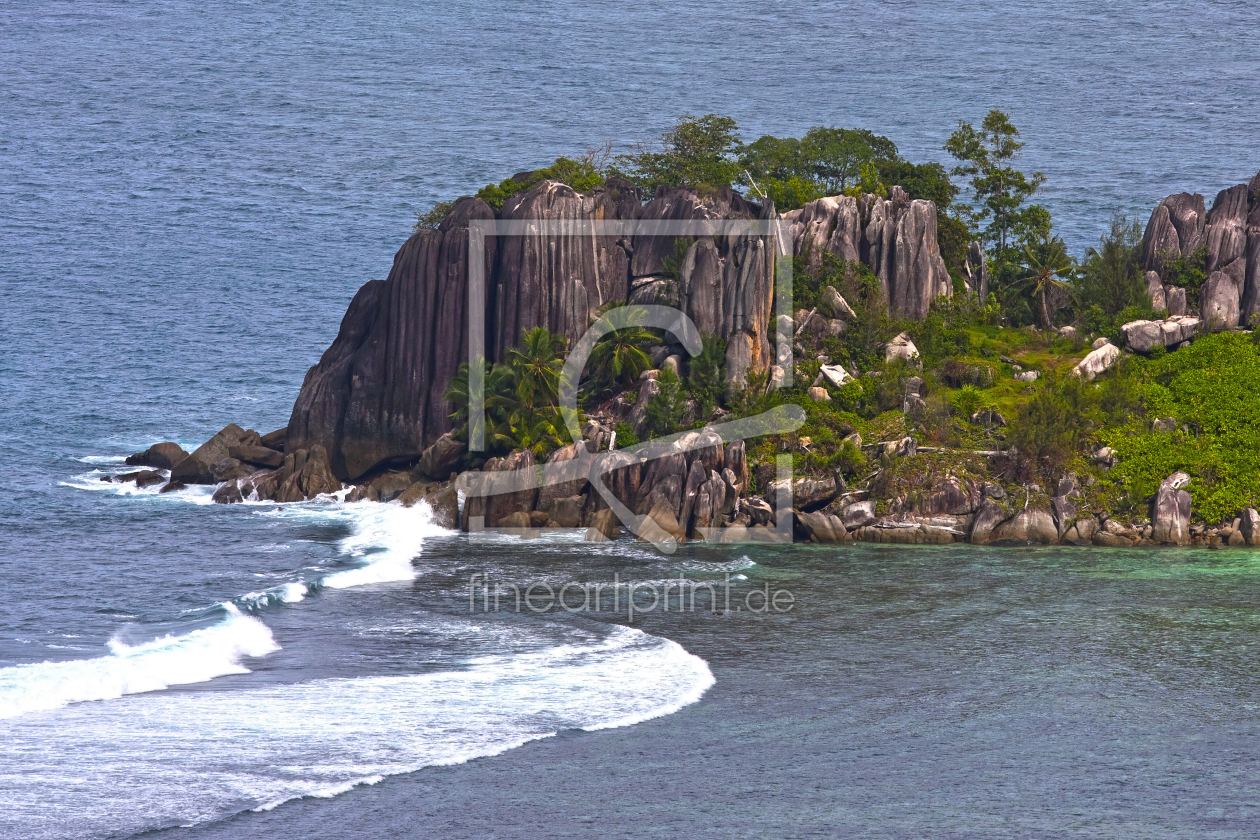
(1046, 266)
(536, 366)
(621, 356)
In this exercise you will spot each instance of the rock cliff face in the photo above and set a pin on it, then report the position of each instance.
(724, 282)
(557, 282)
(895, 237)
(1229, 235)
(376, 394)
(375, 398)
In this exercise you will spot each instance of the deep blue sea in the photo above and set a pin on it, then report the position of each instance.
(190, 193)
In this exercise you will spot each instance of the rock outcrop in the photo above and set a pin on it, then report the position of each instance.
(895, 237)
(1144, 336)
(376, 394)
(1229, 236)
(1170, 512)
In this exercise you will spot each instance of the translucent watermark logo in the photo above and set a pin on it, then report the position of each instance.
(628, 598)
(589, 464)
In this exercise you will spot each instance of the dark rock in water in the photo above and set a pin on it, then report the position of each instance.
(162, 456)
(514, 495)
(304, 475)
(377, 393)
(142, 478)
(229, 493)
(822, 528)
(567, 512)
(553, 281)
(198, 468)
(444, 502)
(260, 455)
(275, 440)
(172, 486)
(621, 473)
(601, 525)
(230, 469)
(440, 460)
(517, 521)
(389, 486)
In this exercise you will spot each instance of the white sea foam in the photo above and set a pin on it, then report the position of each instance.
(192, 657)
(188, 757)
(384, 540)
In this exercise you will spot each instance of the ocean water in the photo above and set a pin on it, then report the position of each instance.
(189, 196)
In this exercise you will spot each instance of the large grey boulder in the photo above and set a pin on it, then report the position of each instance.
(1097, 361)
(830, 225)
(1029, 526)
(1170, 512)
(1155, 290)
(1226, 233)
(901, 347)
(858, 514)
(723, 282)
(824, 528)
(1219, 302)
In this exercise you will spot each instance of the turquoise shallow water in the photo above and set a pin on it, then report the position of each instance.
(190, 195)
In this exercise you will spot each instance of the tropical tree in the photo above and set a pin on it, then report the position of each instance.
(621, 356)
(1045, 266)
(985, 156)
(696, 152)
(1111, 278)
(837, 156)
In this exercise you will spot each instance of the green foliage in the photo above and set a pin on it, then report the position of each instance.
(838, 156)
(434, 216)
(985, 157)
(861, 345)
(521, 396)
(582, 174)
(665, 410)
(941, 335)
(1187, 271)
(1045, 266)
(967, 401)
(704, 375)
(697, 152)
(1213, 388)
(625, 436)
(621, 356)
(928, 181)
(1110, 278)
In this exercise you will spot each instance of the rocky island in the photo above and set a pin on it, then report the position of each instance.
(959, 377)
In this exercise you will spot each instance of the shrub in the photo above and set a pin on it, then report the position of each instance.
(434, 216)
(581, 174)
